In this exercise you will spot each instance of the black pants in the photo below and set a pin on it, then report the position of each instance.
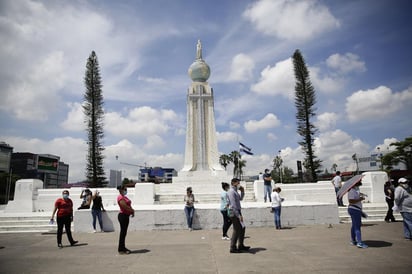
(389, 213)
(226, 222)
(124, 224)
(65, 221)
(238, 233)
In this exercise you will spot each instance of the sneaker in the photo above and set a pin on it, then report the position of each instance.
(60, 245)
(227, 238)
(361, 245)
(353, 243)
(74, 243)
(94, 231)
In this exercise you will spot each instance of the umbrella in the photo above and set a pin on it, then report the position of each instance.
(348, 185)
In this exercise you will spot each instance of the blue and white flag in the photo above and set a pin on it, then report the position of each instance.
(245, 149)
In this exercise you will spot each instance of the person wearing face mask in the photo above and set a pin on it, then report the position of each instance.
(126, 211)
(355, 198)
(403, 201)
(64, 208)
(235, 215)
(97, 209)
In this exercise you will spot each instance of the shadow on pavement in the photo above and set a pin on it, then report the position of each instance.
(140, 251)
(80, 244)
(255, 250)
(372, 243)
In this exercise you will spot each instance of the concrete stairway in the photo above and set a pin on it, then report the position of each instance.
(376, 213)
(31, 222)
(171, 197)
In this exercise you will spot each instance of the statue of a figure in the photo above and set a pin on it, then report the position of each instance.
(199, 50)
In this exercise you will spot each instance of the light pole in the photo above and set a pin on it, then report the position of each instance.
(280, 168)
(379, 158)
(115, 174)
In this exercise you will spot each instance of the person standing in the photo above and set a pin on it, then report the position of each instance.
(189, 200)
(235, 215)
(403, 201)
(277, 206)
(355, 198)
(126, 211)
(224, 203)
(64, 217)
(97, 209)
(389, 198)
(337, 184)
(267, 184)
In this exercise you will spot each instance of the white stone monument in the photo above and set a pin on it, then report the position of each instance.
(201, 169)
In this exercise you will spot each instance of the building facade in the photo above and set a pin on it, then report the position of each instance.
(45, 167)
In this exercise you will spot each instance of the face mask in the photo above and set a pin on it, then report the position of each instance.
(65, 196)
(125, 192)
(238, 186)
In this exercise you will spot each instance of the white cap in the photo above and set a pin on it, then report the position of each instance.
(402, 180)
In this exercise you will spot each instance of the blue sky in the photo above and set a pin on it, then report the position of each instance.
(358, 54)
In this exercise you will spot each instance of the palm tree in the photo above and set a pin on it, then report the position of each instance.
(238, 163)
(224, 160)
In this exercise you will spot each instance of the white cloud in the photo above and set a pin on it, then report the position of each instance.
(154, 142)
(75, 118)
(234, 125)
(141, 122)
(241, 68)
(33, 94)
(327, 84)
(269, 121)
(326, 121)
(386, 146)
(291, 19)
(346, 63)
(376, 103)
(338, 147)
(226, 136)
(277, 80)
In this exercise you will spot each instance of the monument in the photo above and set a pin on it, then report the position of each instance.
(201, 168)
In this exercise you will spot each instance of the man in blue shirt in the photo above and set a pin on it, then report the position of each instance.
(235, 215)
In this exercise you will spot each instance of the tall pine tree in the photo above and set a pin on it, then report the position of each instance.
(305, 100)
(94, 115)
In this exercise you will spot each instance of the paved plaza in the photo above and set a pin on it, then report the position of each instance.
(301, 249)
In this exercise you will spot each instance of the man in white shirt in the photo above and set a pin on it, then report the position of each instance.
(337, 184)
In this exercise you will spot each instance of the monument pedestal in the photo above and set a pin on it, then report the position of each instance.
(202, 181)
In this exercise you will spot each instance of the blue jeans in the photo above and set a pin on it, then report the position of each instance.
(407, 224)
(226, 222)
(277, 211)
(97, 213)
(267, 192)
(339, 201)
(355, 232)
(189, 211)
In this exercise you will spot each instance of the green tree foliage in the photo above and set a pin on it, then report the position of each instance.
(94, 115)
(402, 154)
(233, 158)
(224, 160)
(305, 100)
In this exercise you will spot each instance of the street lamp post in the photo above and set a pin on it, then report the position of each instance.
(280, 168)
(115, 174)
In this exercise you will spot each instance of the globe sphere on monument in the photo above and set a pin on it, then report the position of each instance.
(199, 71)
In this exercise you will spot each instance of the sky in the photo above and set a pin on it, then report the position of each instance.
(358, 53)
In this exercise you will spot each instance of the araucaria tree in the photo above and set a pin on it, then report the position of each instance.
(305, 100)
(94, 115)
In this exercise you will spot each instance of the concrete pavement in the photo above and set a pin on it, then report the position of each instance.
(300, 249)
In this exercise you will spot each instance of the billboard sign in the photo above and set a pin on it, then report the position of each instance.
(47, 163)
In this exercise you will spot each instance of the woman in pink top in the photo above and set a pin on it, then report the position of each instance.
(125, 211)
